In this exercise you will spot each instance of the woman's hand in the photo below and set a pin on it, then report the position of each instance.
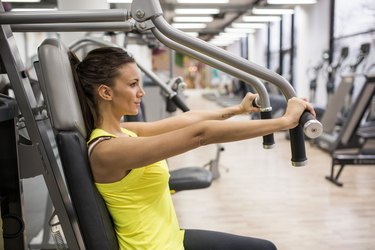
(295, 108)
(246, 105)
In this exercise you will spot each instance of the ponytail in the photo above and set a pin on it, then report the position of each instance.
(87, 107)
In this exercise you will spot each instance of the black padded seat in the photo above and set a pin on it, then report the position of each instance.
(93, 217)
(189, 178)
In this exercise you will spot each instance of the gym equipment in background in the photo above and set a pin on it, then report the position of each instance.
(356, 141)
(338, 107)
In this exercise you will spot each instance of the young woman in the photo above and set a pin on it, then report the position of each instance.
(127, 159)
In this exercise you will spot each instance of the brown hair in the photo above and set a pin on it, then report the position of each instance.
(100, 66)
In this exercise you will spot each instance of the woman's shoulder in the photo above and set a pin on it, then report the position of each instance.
(97, 132)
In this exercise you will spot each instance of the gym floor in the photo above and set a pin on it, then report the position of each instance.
(260, 194)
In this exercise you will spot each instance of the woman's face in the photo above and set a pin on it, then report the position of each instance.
(127, 90)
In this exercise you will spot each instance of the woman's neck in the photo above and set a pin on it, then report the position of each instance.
(110, 123)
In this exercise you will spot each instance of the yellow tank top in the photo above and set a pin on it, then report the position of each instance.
(141, 206)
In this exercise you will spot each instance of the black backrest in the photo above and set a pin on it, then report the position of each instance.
(59, 91)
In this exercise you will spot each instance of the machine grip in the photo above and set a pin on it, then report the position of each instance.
(268, 140)
(179, 103)
(297, 144)
(256, 104)
(311, 127)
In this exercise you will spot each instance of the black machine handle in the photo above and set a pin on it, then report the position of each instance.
(268, 140)
(297, 144)
(179, 103)
(309, 126)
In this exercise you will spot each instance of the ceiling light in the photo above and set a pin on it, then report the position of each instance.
(193, 34)
(203, 1)
(249, 25)
(269, 11)
(119, 1)
(238, 30)
(231, 35)
(21, 1)
(189, 19)
(224, 39)
(261, 19)
(196, 11)
(291, 1)
(189, 25)
(220, 44)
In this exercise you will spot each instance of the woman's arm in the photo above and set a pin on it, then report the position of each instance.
(117, 156)
(191, 117)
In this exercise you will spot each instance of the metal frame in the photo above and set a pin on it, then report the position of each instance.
(264, 102)
(150, 16)
(77, 16)
(74, 27)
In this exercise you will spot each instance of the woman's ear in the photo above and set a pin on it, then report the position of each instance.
(105, 92)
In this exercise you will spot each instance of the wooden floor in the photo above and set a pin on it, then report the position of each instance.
(262, 195)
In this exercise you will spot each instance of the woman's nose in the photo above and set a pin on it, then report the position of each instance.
(141, 92)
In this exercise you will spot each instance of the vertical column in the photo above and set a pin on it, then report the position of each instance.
(281, 51)
(292, 50)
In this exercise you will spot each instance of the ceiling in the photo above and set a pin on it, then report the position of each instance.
(228, 13)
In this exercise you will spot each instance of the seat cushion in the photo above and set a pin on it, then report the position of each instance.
(93, 217)
(189, 178)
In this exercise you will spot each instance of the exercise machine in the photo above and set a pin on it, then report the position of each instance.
(81, 211)
(328, 73)
(314, 73)
(339, 104)
(355, 144)
(333, 71)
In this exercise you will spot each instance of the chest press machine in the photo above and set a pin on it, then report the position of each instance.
(81, 211)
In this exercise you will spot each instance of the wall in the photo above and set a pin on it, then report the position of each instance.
(258, 47)
(312, 38)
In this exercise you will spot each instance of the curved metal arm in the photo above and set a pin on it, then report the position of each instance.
(250, 80)
(297, 137)
(268, 140)
(223, 55)
(237, 62)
